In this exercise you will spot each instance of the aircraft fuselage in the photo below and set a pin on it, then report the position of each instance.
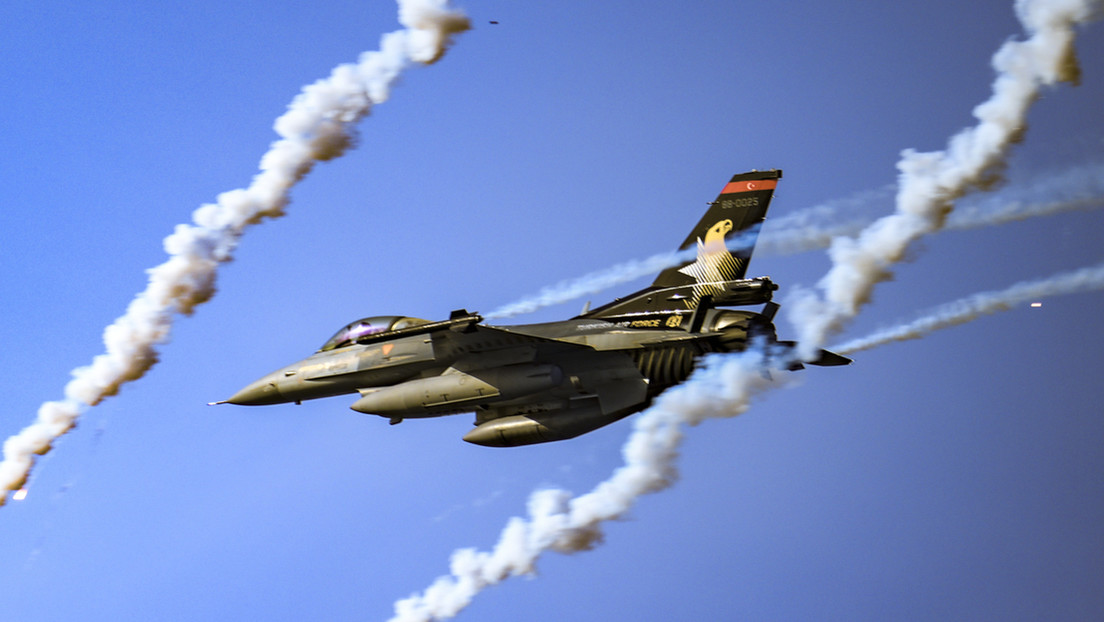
(545, 382)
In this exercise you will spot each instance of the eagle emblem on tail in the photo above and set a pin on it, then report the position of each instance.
(714, 265)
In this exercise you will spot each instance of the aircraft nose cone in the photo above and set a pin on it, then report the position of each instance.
(258, 393)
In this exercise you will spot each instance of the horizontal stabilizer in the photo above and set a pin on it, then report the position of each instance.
(829, 359)
(823, 359)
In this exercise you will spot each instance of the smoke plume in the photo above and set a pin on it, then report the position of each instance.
(602, 279)
(722, 387)
(319, 125)
(929, 183)
(813, 228)
(985, 303)
(592, 283)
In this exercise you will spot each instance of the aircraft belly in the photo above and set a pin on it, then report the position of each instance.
(544, 427)
(598, 388)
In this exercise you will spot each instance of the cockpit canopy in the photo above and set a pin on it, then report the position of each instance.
(348, 335)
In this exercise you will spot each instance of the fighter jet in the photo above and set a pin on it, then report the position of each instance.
(546, 382)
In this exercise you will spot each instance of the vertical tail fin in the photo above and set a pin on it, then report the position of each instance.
(724, 239)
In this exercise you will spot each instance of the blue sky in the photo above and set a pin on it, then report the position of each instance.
(958, 476)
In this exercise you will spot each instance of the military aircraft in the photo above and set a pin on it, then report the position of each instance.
(546, 382)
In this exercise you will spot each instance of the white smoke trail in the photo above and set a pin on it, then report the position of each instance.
(1077, 188)
(929, 183)
(722, 387)
(319, 125)
(813, 228)
(985, 303)
(592, 283)
(601, 279)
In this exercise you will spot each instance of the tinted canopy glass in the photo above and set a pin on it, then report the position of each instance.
(369, 326)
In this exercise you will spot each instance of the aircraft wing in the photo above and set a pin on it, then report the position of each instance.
(477, 345)
(594, 383)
